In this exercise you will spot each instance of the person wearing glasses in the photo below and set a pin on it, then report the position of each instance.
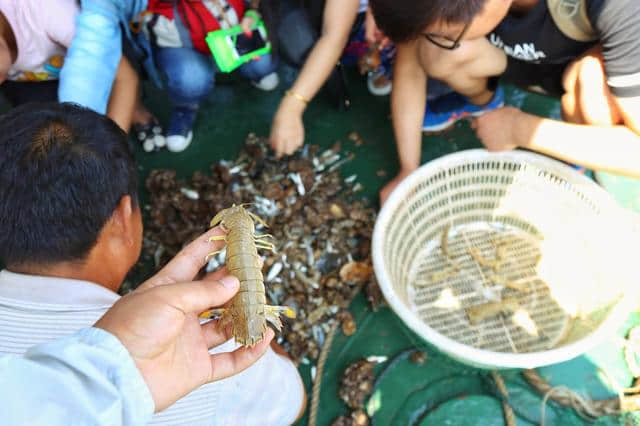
(452, 50)
(590, 62)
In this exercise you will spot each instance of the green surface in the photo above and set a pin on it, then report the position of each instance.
(441, 391)
(625, 190)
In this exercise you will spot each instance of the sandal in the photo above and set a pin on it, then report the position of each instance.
(150, 135)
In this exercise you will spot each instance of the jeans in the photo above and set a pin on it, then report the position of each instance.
(191, 74)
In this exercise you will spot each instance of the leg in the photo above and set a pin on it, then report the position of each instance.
(261, 72)
(587, 98)
(190, 74)
(258, 68)
(263, 236)
(190, 78)
(265, 246)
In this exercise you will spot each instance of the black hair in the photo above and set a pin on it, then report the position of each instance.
(63, 172)
(405, 20)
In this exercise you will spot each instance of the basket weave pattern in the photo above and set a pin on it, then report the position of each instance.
(549, 220)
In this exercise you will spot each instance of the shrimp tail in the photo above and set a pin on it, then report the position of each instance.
(212, 314)
(272, 314)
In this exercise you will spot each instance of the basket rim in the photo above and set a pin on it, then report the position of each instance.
(467, 353)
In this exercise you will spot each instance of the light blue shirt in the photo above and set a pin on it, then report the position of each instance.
(87, 378)
(92, 60)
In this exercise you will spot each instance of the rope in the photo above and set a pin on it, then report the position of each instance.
(586, 408)
(317, 383)
(322, 360)
(509, 415)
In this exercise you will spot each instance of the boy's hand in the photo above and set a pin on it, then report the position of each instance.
(389, 187)
(495, 129)
(287, 129)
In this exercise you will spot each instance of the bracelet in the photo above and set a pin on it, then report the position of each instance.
(252, 14)
(297, 96)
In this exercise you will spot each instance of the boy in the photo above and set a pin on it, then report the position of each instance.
(70, 230)
(463, 43)
(178, 29)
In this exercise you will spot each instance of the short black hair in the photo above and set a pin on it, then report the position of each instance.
(405, 20)
(63, 171)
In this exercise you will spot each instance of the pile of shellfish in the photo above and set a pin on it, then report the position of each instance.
(321, 226)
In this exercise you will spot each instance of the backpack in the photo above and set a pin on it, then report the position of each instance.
(198, 17)
(570, 16)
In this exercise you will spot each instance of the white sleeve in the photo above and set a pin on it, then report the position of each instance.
(86, 378)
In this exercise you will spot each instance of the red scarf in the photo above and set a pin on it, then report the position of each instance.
(196, 17)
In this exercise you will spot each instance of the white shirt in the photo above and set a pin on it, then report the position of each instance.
(36, 309)
(43, 30)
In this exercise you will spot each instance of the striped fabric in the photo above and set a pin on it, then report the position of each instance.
(36, 309)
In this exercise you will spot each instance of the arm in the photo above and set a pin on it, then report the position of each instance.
(88, 377)
(408, 102)
(614, 149)
(339, 16)
(93, 58)
(287, 133)
(124, 95)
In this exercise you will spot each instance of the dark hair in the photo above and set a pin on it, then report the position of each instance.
(405, 20)
(63, 171)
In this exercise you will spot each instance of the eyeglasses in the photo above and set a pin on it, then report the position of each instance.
(444, 41)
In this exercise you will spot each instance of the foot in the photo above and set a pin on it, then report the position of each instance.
(379, 84)
(268, 82)
(446, 110)
(179, 132)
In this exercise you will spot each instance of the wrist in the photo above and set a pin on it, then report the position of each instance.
(294, 102)
(521, 125)
(407, 169)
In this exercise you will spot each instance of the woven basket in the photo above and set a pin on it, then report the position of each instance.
(517, 229)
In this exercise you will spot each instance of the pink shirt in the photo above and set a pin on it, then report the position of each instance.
(43, 30)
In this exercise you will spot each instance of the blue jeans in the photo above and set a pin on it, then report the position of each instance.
(191, 74)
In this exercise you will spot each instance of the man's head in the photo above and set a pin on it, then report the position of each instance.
(68, 203)
(445, 20)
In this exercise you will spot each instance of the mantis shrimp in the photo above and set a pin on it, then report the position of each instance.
(247, 311)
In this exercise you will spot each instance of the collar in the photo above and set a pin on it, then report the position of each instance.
(52, 293)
